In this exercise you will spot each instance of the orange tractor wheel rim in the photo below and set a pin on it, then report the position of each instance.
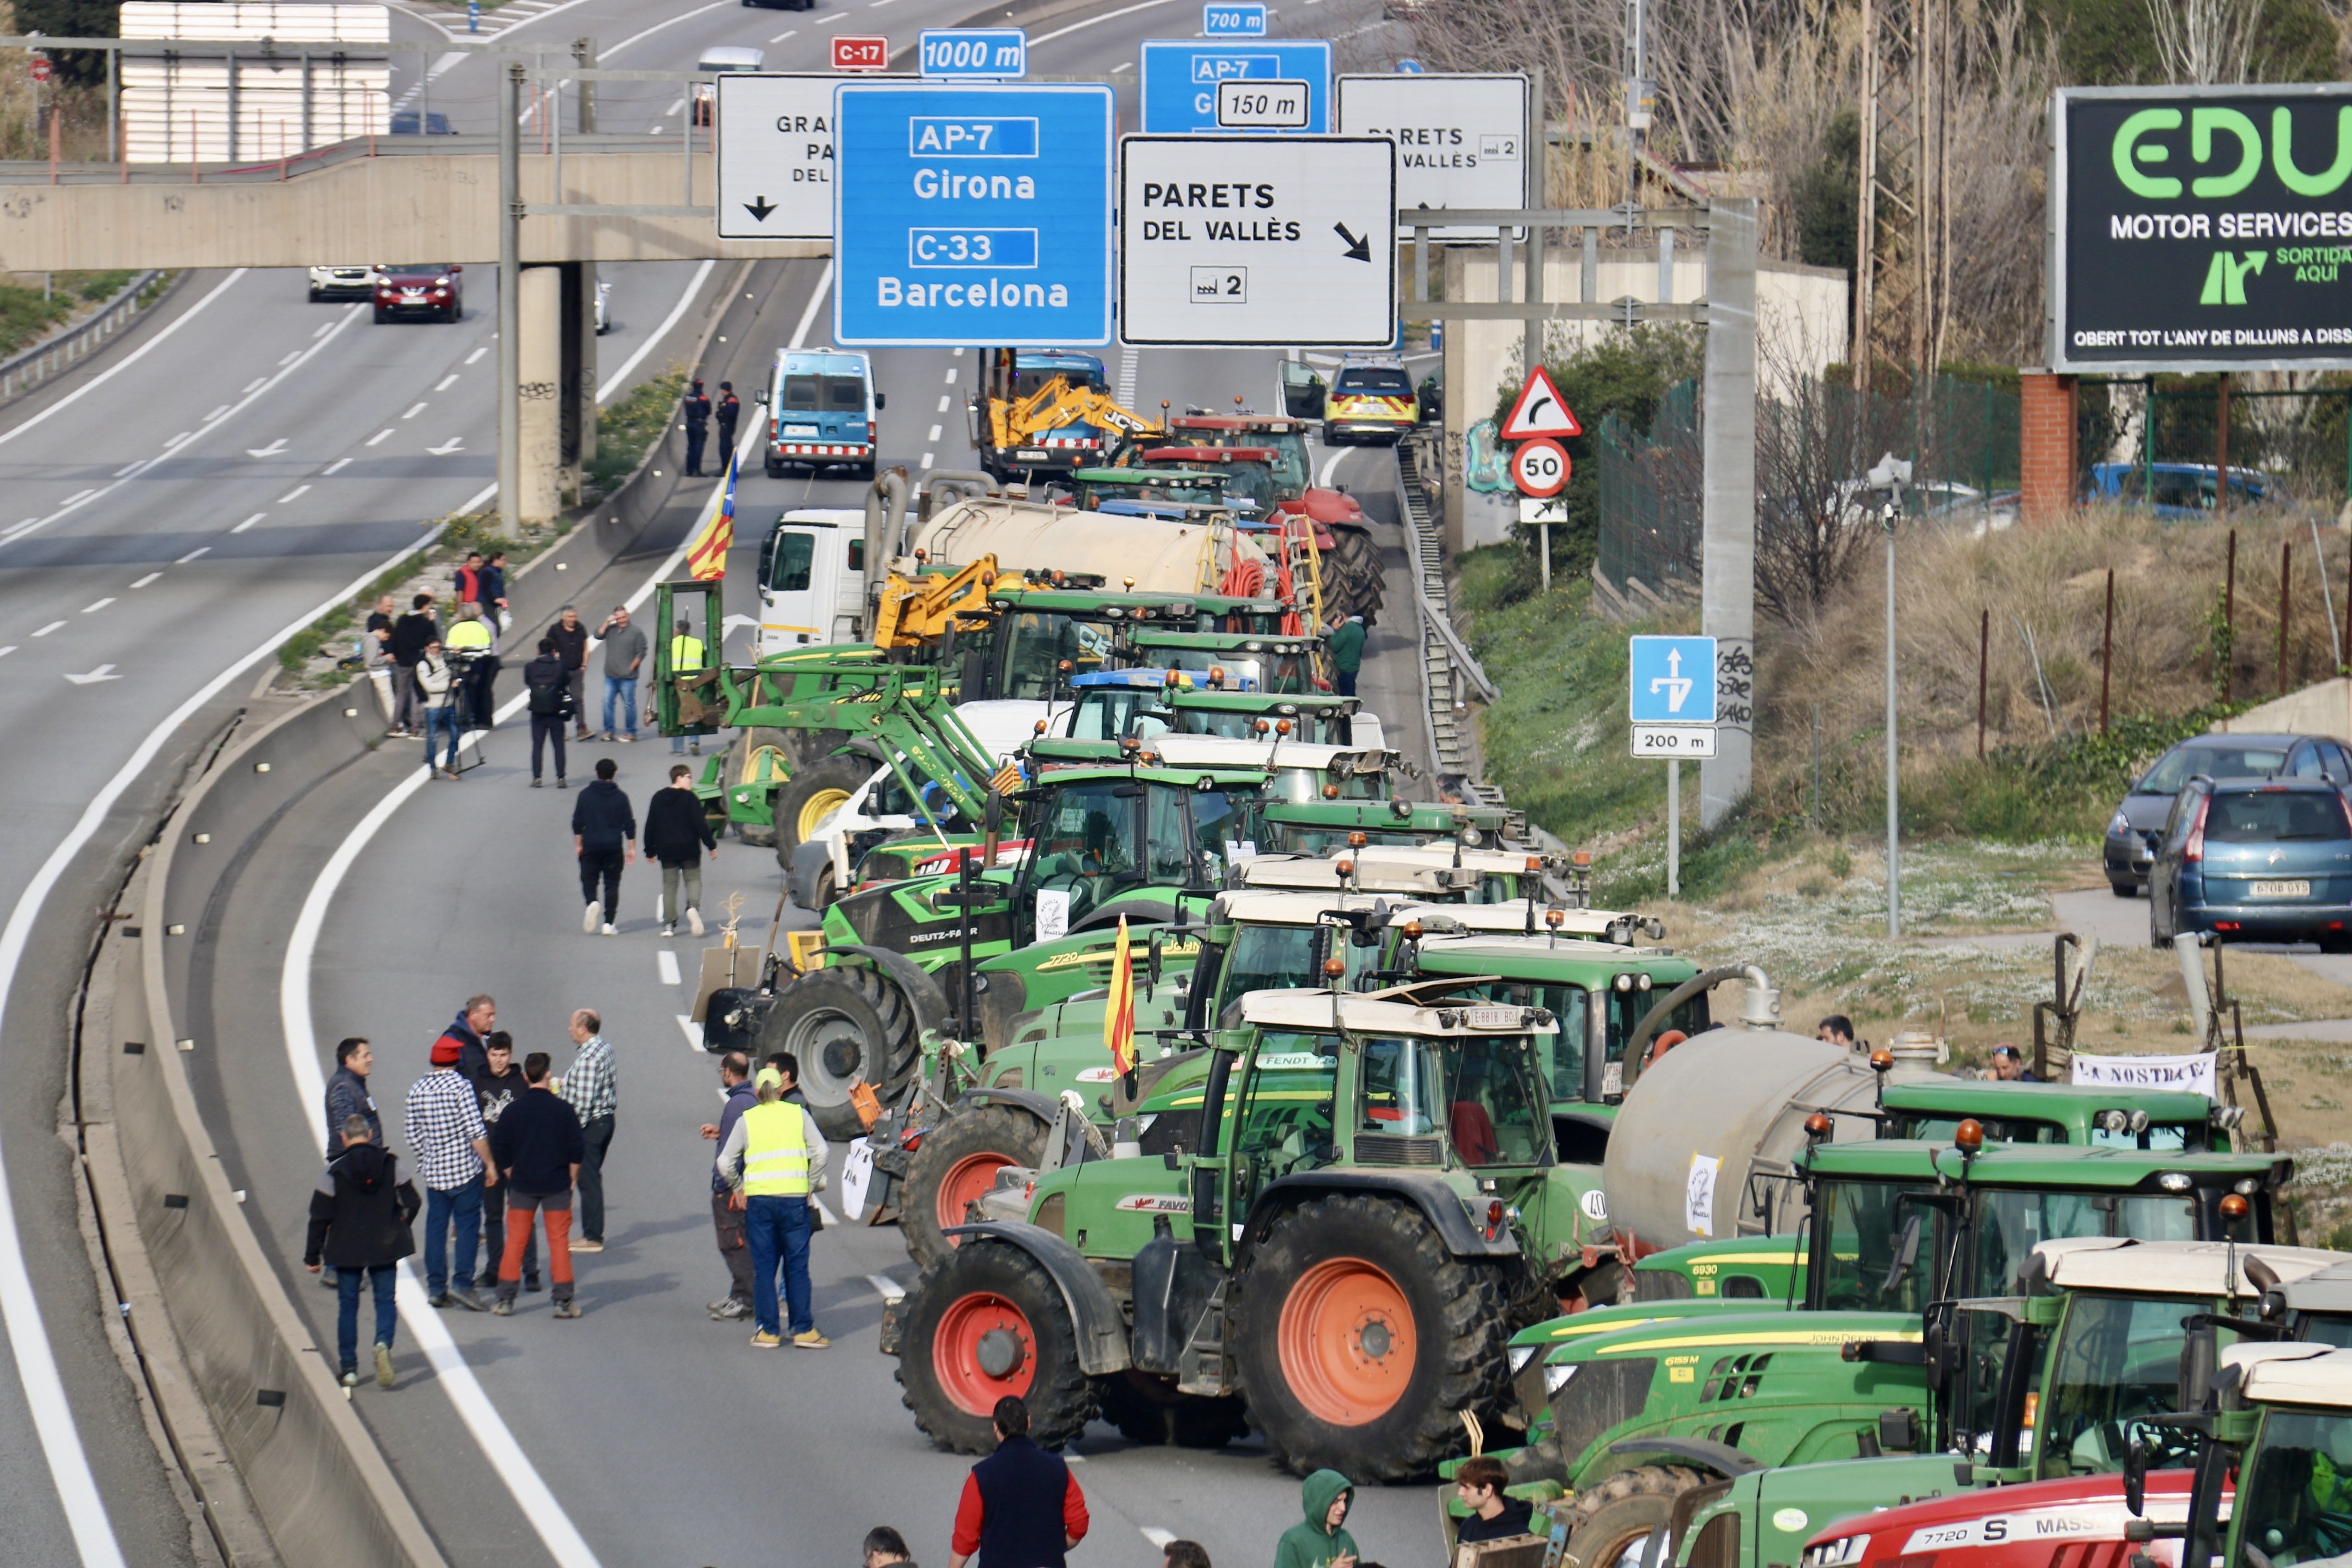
(1347, 1343)
(966, 1181)
(983, 1349)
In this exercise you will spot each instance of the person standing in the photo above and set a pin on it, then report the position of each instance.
(410, 634)
(677, 833)
(1347, 653)
(496, 1088)
(569, 636)
(603, 836)
(686, 656)
(697, 410)
(375, 644)
(359, 1215)
(1021, 1504)
(729, 409)
(776, 1157)
(592, 1086)
(436, 689)
(537, 1149)
(466, 1042)
(625, 655)
(453, 1154)
(1321, 1538)
(547, 686)
(474, 658)
(494, 590)
(467, 580)
(726, 1204)
(348, 1096)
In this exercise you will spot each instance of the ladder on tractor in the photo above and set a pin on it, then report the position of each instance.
(1305, 564)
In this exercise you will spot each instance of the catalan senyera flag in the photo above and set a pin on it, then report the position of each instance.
(706, 558)
(1118, 1013)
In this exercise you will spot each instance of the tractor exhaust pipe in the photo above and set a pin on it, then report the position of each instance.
(1760, 1009)
(886, 509)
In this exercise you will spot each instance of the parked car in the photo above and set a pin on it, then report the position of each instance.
(2137, 825)
(341, 283)
(2175, 490)
(2265, 859)
(407, 123)
(722, 58)
(434, 293)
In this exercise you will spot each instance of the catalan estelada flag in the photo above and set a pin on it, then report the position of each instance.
(1118, 1012)
(706, 558)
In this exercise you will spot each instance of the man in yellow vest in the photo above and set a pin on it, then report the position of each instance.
(775, 1159)
(684, 660)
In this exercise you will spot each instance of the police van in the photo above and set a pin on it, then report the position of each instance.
(813, 579)
(821, 411)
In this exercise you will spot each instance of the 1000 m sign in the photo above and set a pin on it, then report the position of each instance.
(2201, 229)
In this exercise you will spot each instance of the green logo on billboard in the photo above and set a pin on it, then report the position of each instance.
(2219, 137)
(2225, 281)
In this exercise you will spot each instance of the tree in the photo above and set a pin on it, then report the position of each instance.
(73, 19)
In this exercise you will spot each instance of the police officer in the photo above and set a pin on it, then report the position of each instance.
(686, 653)
(472, 648)
(730, 408)
(775, 1157)
(698, 428)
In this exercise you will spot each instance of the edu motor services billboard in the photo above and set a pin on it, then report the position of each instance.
(2201, 227)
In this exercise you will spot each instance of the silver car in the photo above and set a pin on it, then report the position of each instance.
(341, 283)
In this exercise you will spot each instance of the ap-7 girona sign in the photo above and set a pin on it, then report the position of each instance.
(2201, 227)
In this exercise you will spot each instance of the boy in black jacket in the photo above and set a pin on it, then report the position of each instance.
(677, 833)
(604, 836)
(548, 684)
(360, 1218)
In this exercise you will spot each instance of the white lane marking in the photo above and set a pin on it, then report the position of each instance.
(675, 108)
(177, 439)
(324, 328)
(666, 965)
(1324, 483)
(216, 414)
(147, 579)
(378, 436)
(957, 353)
(951, 375)
(446, 382)
(787, 33)
(927, 462)
(191, 555)
(94, 383)
(692, 1031)
(1157, 1536)
(297, 493)
(20, 1310)
(80, 496)
(476, 353)
(289, 358)
(655, 128)
(889, 1289)
(944, 401)
(829, 21)
(338, 464)
(255, 384)
(104, 672)
(5, 652)
(1066, 1458)
(934, 435)
(631, 364)
(88, 609)
(249, 522)
(414, 411)
(454, 442)
(44, 631)
(808, 317)
(816, 1203)
(236, 408)
(126, 470)
(604, 57)
(1123, 11)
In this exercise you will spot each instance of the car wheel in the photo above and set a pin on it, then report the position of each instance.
(381, 315)
(2333, 941)
(315, 295)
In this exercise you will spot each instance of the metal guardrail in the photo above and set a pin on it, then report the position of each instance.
(1445, 661)
(52, 357)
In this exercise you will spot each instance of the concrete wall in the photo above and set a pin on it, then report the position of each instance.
(2322, 708)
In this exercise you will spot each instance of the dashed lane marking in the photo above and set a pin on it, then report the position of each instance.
(339, 464)
(934, 435)
(255, 384)
(927, 462)
(44, 631)
(692, 1031)
(191, 555)
(79, 497)
(289, 358)
(831, 1219)
(378, 436)
(889, 1289)
(5, 652)
(478, 354)
(216, 413)
(147, 579)
(92, 609)
(1157, 1536)
(944, 401)
(446, 382)
(249, 522)
(787, 33)
(414, 411)
(665, 963)
(324, 328)
(297, 493)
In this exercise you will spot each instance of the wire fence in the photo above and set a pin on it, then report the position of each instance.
(2160, 442)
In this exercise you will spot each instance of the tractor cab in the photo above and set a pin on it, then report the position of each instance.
(1240, 661)
(1251, 489)
(1182, 494)
(1313, 717)
(1314, 827)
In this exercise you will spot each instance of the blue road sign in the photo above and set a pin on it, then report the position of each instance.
(984, 54)
(1674, 680)
(971, 214)
(1232, 19)
(1180, 77)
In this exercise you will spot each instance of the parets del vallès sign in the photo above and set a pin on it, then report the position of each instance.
(2201, 229)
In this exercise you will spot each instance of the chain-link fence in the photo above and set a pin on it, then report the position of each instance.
(2158, 442)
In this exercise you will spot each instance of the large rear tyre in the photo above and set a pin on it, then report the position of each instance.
(842, 1024)
(1360, 1338)
(1149, 1410)
(814, 794)
(758, 759)
(1612, 1521)
(956, 1162)
(989, 1321)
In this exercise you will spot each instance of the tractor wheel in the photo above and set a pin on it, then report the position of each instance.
(1612, 1521)
(813, 795)
(989, 1321)
(1360, 1338)
(842, 1024)
(758, 757)
(1149, 1410)
(956, 1162)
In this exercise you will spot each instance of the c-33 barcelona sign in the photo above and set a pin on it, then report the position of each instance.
(2201, 227)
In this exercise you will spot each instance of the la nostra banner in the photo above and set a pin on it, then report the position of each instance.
(2201, 229)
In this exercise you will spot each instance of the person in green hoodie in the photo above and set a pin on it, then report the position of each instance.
(1321, 1541)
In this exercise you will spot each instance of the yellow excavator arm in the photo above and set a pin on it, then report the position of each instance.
(917, 610)
(1059, 404)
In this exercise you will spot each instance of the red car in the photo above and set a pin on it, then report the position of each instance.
(433, 292)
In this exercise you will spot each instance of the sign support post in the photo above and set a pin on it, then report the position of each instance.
(1674, 828)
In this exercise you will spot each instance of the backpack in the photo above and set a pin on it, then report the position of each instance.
(551, 700)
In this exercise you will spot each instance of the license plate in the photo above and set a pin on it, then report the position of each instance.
(801, 430)
(1492, 1018)
(2282, 889)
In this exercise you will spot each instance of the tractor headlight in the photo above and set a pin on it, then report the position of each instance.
(2175, 1182)
(1557, 1374)
(1838, 1554)
(1519, 1357)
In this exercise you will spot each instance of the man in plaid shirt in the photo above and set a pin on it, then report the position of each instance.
(593, 1086)
(453, 1156)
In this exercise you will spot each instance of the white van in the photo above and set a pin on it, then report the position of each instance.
(721, 58)
(813, 579)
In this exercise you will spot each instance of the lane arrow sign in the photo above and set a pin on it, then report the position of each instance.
(1540, 410)
(759, 207)
(1357, 249)
(269, 451)
(104, 672)
(453, 444)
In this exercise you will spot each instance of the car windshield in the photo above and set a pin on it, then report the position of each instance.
(433, 267)
(796, 553)
(2118, 1362)
(1480, 1089)
(1375, 382)
(1028, 378)
(808, 392)
(1082, 839)
(2232, 761)
(2295, 1509)
(2273, 817)
(1117, 712)
(1881, 1249)
(1174, 488)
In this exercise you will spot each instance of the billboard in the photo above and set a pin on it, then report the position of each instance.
(2200, 228)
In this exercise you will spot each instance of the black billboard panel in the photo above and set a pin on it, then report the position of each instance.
(2201, 229)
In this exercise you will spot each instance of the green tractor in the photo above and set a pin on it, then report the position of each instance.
(1341, 1261)
(1316, 827)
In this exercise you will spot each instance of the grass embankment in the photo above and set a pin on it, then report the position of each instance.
(627, 431)
(26, 317)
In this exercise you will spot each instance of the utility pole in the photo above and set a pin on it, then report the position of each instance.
(510, 301)
(1728, 505)
(1888, 477)
(1902, 222)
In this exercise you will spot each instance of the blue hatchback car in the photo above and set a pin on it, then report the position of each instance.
(2260, 859)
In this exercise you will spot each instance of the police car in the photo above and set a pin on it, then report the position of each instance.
(1371, 399)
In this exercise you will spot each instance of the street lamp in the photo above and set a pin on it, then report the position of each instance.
(1887, 478)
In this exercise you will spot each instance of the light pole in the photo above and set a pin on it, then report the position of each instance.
(1888, 477)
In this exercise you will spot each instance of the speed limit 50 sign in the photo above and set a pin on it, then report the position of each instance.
(1540, 468)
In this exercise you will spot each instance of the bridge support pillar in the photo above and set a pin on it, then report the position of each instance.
(539, 343)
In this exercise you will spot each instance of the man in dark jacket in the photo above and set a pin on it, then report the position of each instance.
(348, 1096)
(500, 1081)
(494, 589)
(677, 833)
(697, 409)
(360, 1215)
(465, 1044)
(569, 636)
(547, 684)
(729, 409)
(605, 837)
(1021, 1505)
(726, 1204)
(410, 634)
(538, 1146)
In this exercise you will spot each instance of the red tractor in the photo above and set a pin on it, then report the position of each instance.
(1353, 572)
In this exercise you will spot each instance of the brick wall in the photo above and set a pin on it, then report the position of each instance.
(2046, 438)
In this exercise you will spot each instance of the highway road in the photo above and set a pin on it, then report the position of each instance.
(182, 502)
